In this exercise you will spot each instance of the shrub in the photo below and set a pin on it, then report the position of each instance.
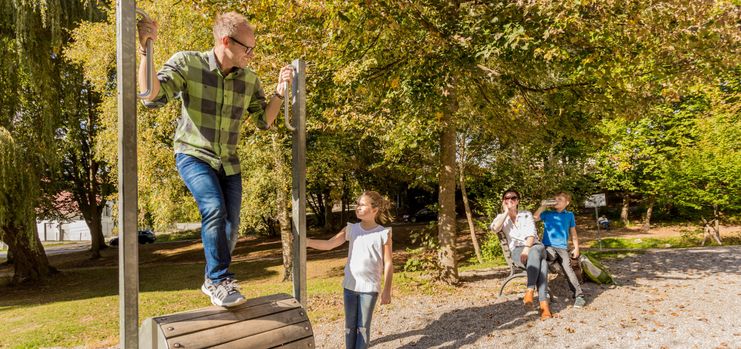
(424, 258)
(490, 249)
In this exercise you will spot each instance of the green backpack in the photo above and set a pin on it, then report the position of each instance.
(594, 270)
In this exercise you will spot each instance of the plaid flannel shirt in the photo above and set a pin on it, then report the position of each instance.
(213, 106)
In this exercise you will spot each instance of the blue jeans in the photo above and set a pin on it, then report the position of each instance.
(219, 198)
(358, 312)
(537, 268)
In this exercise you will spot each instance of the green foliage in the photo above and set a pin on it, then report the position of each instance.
(491, 250)
(545, 96)
(262, 178)
(17, 193)
(163, 198)
(706, 176)
(32, 38)
(684, 152)
(424, 258)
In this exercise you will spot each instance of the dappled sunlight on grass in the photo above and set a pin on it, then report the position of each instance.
(473, 264)
(179, 250)
(180, 235)
(659, 242)
(65, 323)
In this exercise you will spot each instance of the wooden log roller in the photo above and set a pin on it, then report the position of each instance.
(274, 321)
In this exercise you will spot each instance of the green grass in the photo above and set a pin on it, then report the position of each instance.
(80, 307)
(178, 236)
(473, 264)
(663, 242)
(603, 255)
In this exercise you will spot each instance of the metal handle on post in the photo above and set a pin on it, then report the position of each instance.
(150, 63)
(285, 106)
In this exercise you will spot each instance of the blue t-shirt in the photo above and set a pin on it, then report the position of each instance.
(557, 225)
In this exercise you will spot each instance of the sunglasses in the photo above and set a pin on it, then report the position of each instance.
(247, 49)
(513, 198)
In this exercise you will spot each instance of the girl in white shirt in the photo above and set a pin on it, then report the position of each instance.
(527, 252)
(368, 257)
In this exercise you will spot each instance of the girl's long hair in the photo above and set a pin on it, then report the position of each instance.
(382, 204)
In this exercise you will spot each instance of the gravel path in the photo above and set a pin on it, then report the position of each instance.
(679, 298)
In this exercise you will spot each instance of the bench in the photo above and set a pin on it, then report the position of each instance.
(516, 271)
(272, 321)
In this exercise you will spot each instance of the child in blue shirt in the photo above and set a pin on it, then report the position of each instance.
(558, 224)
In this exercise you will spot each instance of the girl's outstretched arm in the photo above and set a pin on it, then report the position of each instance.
(333, 242)
(388, 271)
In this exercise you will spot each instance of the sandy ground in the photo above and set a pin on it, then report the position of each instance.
(679, 298)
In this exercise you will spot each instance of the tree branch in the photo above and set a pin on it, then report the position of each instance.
(522, 86)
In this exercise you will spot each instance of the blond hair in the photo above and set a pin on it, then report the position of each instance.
(227, 24)
(382, 204)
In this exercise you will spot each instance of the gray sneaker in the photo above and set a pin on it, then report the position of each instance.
(579, 302)
(224, 294)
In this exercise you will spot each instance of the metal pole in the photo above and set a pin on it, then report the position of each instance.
(596, 216)
(128, 256)
(298, 189)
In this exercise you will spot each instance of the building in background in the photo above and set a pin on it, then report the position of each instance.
(74, 228)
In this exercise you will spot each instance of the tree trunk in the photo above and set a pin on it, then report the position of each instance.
(345, 202)
(649, 211)
(469, 215)
(625, 211)
(446, 219)
(92, 215)
(716, 226)
(282, 199)
(328, 224)
(87, 181)
(30, 262)
(312, 201)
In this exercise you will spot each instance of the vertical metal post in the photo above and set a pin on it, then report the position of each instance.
(298, 190)
(128, 256)
(596, 216)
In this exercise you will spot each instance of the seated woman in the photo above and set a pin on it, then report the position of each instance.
(527, 251)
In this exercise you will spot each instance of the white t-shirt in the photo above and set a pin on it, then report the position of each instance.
(364, 267)
(518, 231)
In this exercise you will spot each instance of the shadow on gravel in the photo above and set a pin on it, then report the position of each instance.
(508, 313)
(438, 334)
(689, 263)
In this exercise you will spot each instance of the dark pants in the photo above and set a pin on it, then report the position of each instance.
(561, 255)
(537, 268)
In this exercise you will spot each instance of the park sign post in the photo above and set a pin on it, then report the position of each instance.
(596, 201)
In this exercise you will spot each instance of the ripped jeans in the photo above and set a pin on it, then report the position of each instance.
(358, 312)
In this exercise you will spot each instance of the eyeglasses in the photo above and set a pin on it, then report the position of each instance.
(513, 198)
(247, 49)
